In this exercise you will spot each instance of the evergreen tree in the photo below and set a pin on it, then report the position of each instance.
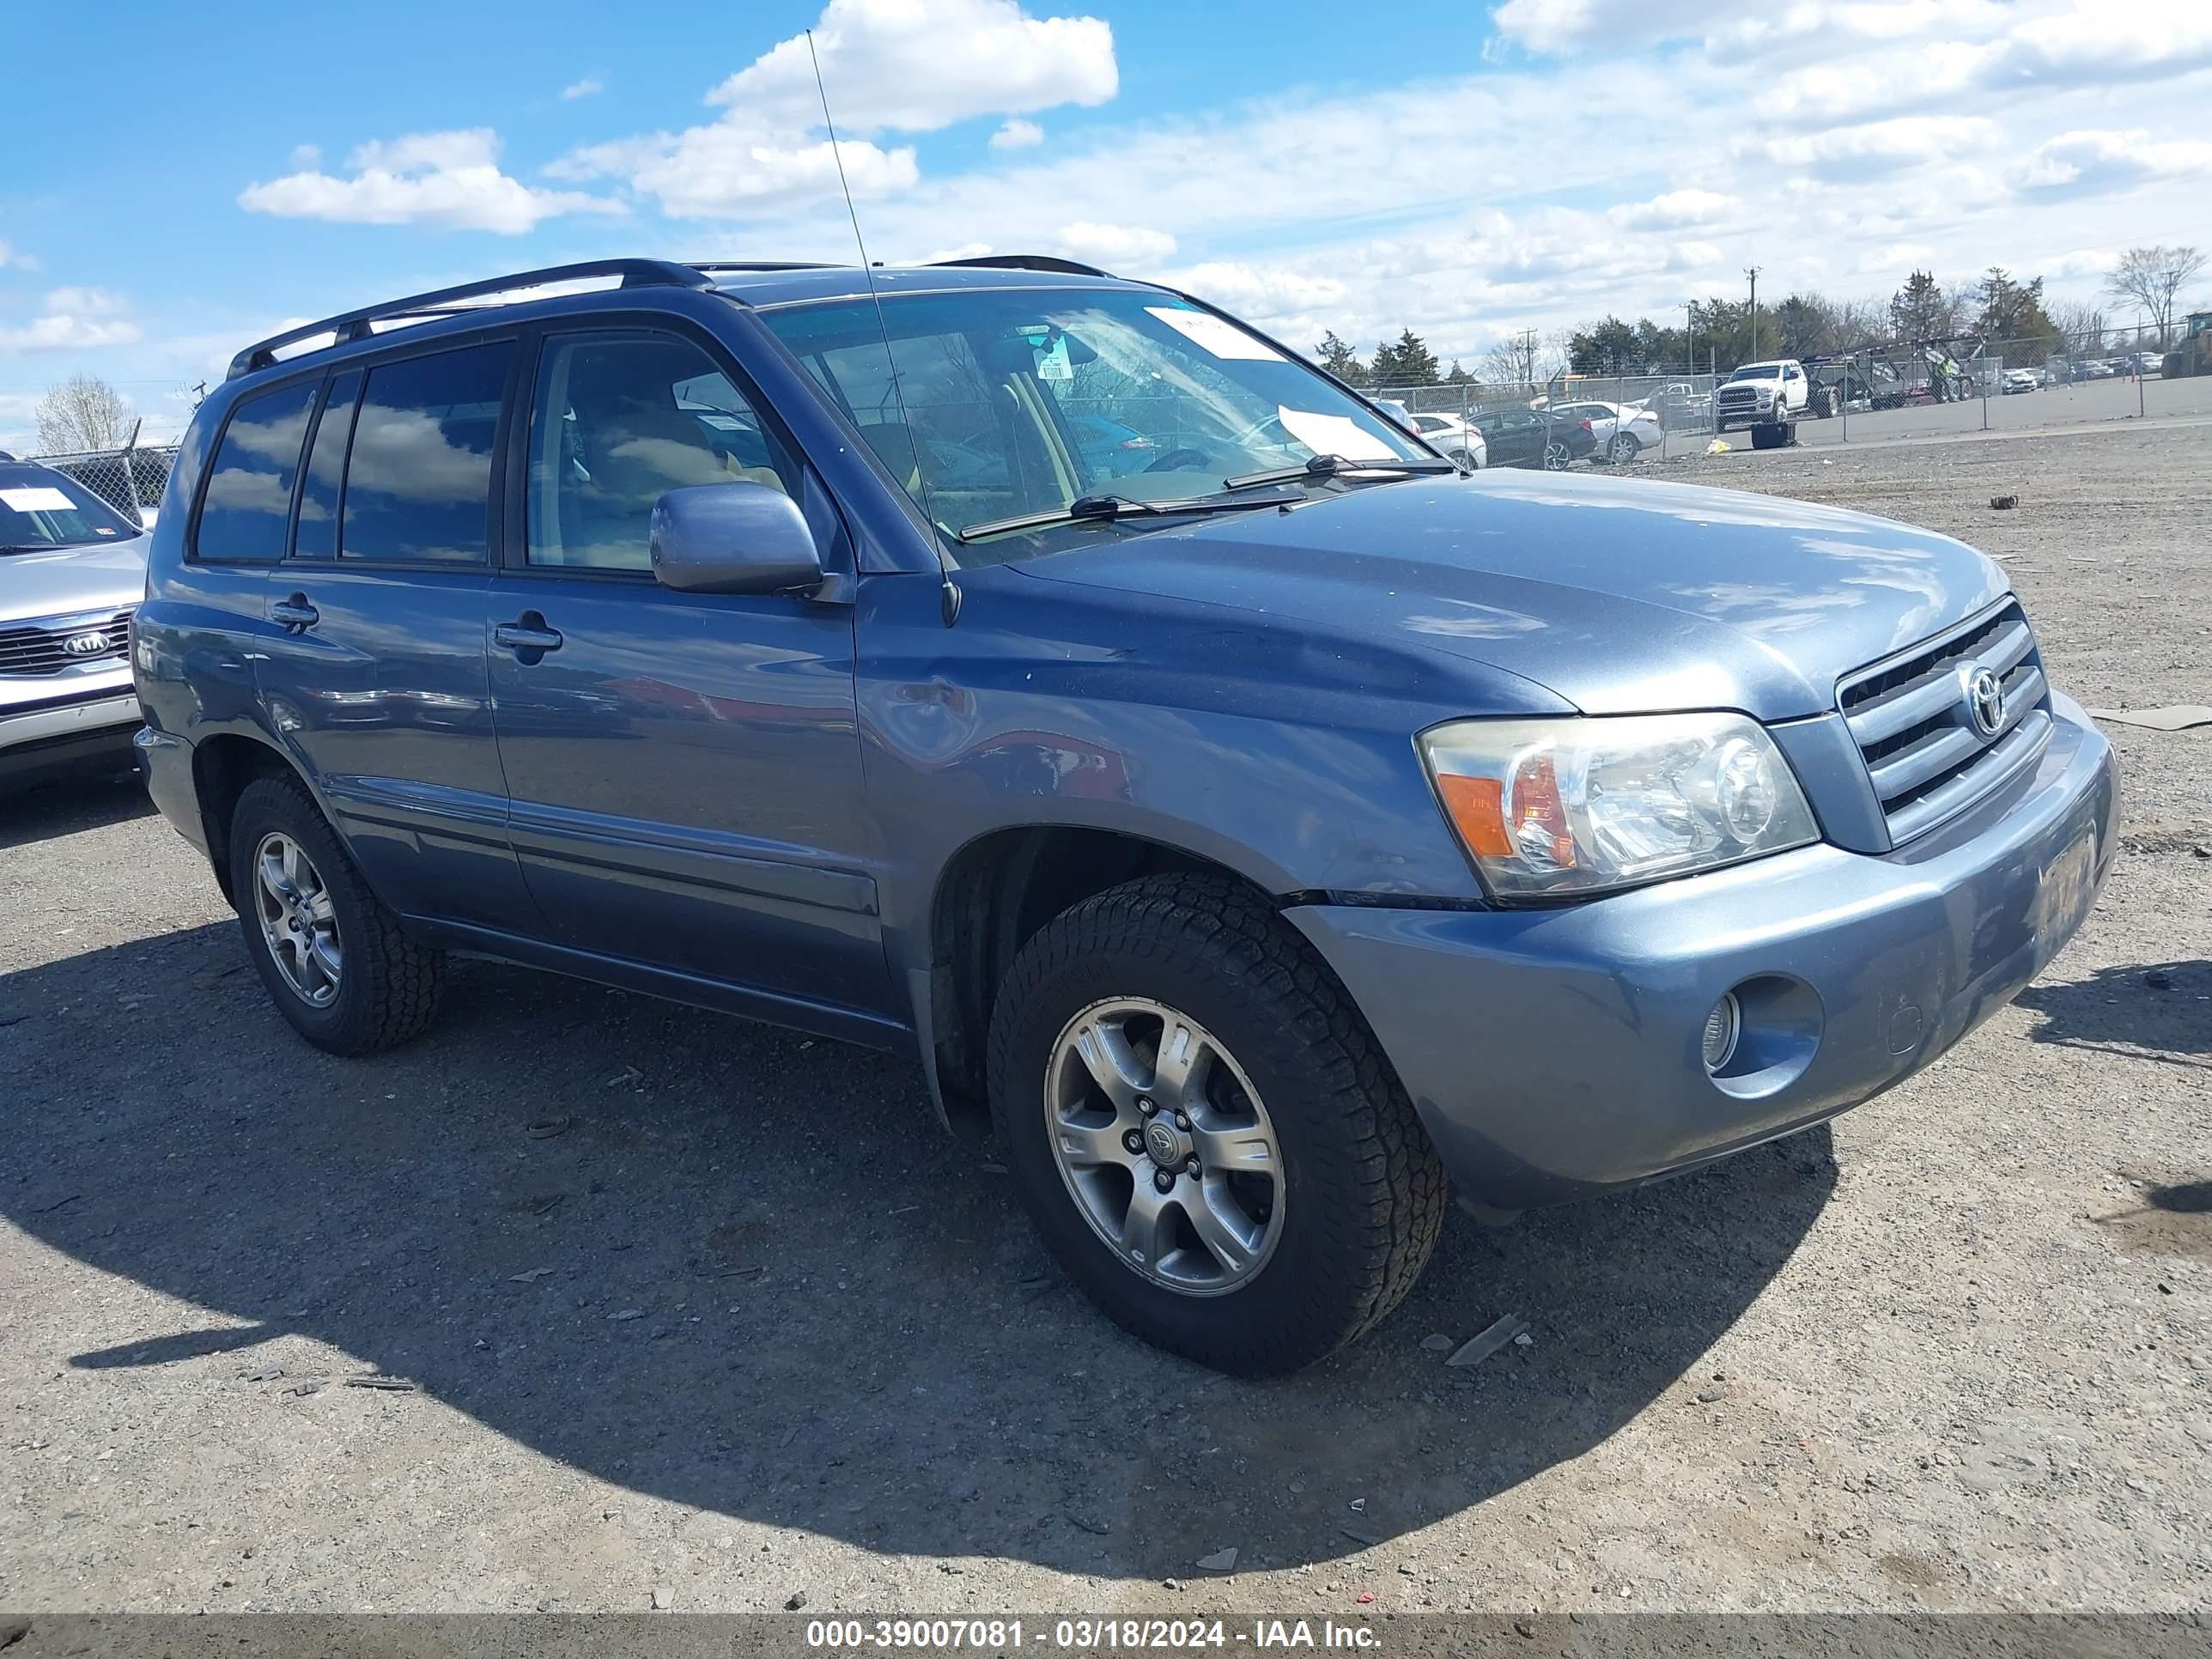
(1339, 359)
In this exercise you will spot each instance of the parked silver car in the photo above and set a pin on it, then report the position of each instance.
(72, 571)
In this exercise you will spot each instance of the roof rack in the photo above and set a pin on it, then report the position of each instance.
(761, 264)
(1026, 262)
(352, 326)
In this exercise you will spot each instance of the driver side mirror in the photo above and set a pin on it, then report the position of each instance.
(733, 538)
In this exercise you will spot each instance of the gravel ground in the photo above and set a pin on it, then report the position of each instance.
(703, 1308)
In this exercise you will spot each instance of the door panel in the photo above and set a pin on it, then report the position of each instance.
(384, 696)
(684, 775)
(684, 768)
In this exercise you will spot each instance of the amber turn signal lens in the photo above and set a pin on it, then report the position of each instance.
(1477, 806)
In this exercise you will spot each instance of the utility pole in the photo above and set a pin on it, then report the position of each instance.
(1751, 272)
(1528, 357)
(1690, 334)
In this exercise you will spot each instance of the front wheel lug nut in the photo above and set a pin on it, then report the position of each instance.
(1134, 1141)
(1191, 1167)
(1182, 1120)
(1163, 1182)
(1147, 1105)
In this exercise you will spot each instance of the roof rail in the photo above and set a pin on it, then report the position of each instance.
(353, 325)
(1028, 262)
(761, 264)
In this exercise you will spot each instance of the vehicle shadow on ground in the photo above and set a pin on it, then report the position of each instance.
(2160, 1007)
(735, 1268)
(63, 806)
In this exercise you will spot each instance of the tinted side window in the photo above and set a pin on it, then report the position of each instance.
(418, 481)
(249, 489)
(617, 421)
(316, 535)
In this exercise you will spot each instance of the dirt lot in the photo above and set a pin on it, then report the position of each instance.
(731, 1323)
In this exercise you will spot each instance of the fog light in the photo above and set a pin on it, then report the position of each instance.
(1721, 1026)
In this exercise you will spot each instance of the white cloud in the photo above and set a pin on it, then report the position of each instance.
(889, 66)
(2079, 163)
(1018, 134)
(1867, 151)
(1114, 245)
(72, 318)
(590, 87)
(918, 65)
(450, 180)
(1676, 210)
(1570, 26)
(306, 157)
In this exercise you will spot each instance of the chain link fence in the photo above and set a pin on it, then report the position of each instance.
(129, 480)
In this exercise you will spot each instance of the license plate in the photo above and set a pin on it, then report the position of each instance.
(2070, 888)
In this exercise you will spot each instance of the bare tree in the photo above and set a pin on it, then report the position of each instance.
(83, 412)
(2152, 277)
(2080, 321)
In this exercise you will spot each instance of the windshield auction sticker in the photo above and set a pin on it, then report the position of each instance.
(1211, 333)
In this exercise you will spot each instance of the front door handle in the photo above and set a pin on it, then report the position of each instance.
(527, 636)
(295, 614)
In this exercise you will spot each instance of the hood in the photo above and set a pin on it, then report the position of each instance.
(105, 576)
(1621, 595)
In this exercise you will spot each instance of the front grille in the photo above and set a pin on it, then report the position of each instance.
(43, 645)
(1912, 719)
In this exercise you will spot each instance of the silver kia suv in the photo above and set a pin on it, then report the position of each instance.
(72, 571)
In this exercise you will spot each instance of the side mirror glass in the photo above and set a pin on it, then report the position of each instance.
(733, 538)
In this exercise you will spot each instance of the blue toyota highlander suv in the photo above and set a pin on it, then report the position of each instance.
(1261, 822)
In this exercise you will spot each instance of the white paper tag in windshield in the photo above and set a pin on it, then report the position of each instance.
(1333, 434)
(1053, 365)
(1211, 333)
(42, 498)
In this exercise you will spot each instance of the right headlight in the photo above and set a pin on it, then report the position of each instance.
(1566, 807)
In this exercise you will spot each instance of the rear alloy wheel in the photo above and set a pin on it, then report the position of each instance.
(1203, 1129)
(336, 962)
(1558, 457)
(1466, 459)
(1623, 449)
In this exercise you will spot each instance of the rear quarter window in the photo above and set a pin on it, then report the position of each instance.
(248, 499)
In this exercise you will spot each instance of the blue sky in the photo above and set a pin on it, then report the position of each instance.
(209, 173)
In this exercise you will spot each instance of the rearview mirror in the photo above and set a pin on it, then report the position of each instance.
(733, 538)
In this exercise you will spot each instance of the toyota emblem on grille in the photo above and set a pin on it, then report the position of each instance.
(86, 645)
(1984, 700)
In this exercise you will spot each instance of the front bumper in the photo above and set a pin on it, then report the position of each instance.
(93, 728)
(1556, 1051)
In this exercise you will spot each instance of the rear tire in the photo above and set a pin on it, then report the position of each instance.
(1558, 457)
(1343, 1203)
(361, 984)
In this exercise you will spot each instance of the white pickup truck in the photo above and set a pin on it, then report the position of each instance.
(1760, 394)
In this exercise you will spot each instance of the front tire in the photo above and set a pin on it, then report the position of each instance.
(335, 960)
(1203, 1130)
(1623, 450)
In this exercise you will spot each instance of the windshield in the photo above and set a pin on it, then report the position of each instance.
(1025, 400)
(1757, 371)
(41, 508)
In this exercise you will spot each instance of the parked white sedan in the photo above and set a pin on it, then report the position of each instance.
(1453, 436)
(1622, 431)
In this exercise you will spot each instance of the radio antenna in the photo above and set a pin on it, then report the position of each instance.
(948, 590)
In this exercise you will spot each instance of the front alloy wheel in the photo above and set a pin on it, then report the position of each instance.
(1165, 1145)
(1624, 449)
(1203, 1129)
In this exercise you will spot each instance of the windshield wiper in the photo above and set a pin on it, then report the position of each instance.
(1086, 508)
(1329, 466)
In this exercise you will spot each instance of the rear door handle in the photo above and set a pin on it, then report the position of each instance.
(296, 613)
(527, 636)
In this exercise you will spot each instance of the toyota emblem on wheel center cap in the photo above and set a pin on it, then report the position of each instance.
(1984, 699)
(1164, 1145)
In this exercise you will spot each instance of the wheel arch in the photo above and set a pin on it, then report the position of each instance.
(223, 765)
(991, 897)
